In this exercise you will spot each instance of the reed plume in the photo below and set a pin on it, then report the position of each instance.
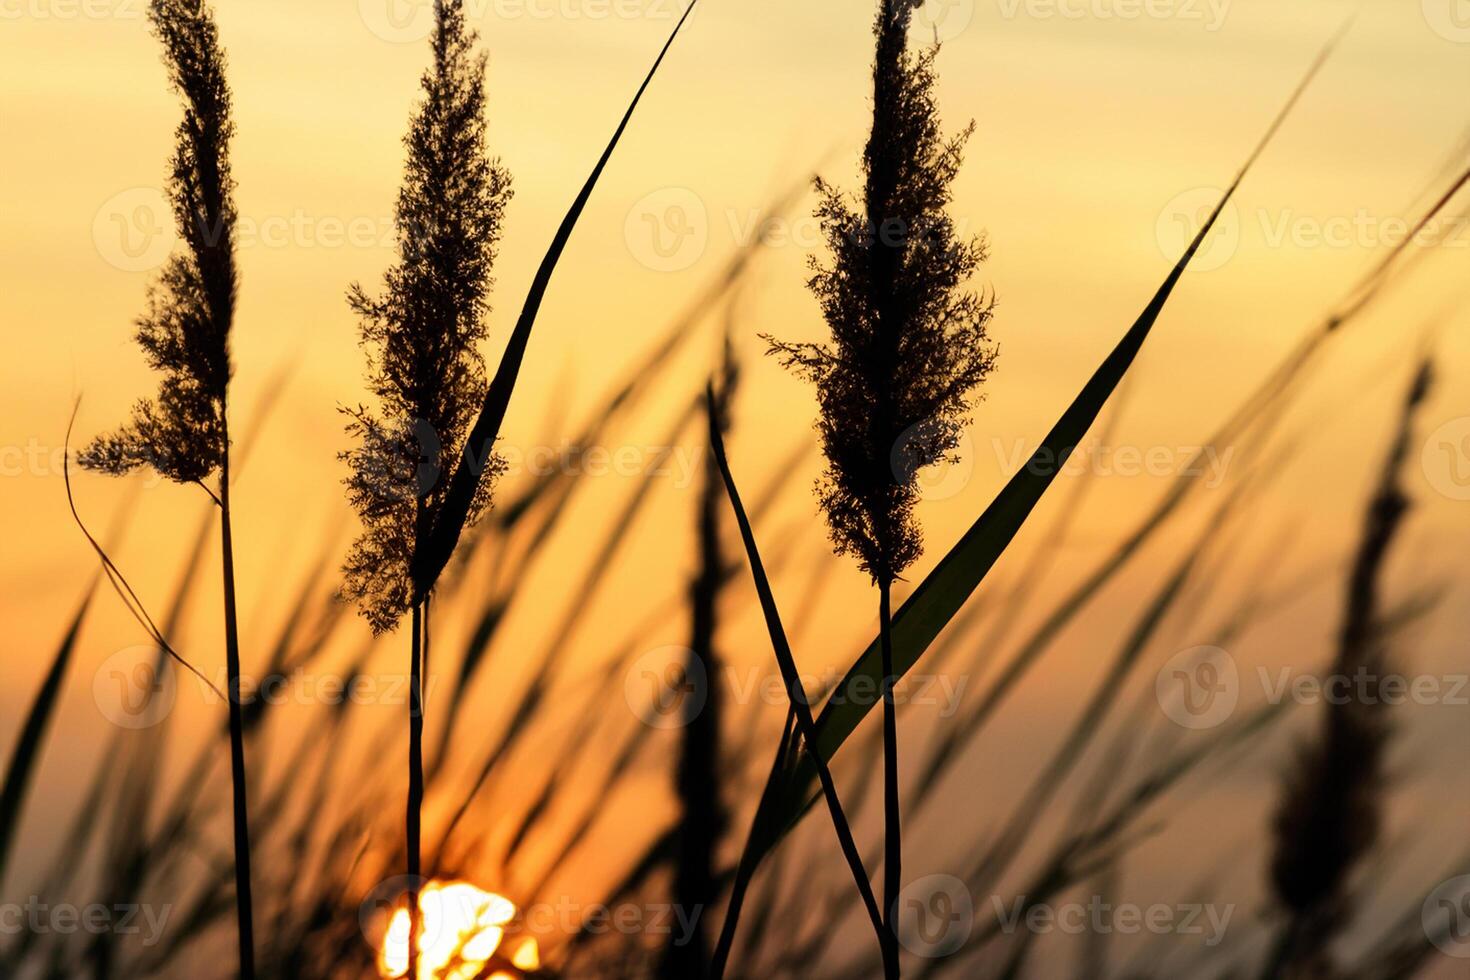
(703, 817)
(183, 432)
(1331, 813)
(909, 346)
(426, 370)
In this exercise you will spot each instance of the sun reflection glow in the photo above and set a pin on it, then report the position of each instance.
(461, 933)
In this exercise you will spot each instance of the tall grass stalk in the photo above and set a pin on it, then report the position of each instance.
(798, 698)
(427, 371)
(909, 349)
(184, 432)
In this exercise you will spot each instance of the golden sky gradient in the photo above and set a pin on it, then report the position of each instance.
(1098, 131)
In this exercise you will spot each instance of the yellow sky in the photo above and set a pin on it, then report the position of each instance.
(1095, 128)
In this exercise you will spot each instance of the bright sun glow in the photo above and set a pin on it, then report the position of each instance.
(462, 931)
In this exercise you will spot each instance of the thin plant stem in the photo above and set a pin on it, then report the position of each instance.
(746, 869)
(892, 815)
(414, 817)
(237, 732)
(797, 696)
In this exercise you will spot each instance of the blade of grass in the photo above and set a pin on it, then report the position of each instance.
(459, 497)
(796, 693)
(27, 750)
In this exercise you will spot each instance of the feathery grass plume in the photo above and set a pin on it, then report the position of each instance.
(909, 342)
(427, 372)
(183, 433)
(703, 817)
(1331, 813)
(423, 332)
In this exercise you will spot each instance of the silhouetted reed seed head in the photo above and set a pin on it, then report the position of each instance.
(423, 332)
(184, 333)
(909, 344)
(1331, 813)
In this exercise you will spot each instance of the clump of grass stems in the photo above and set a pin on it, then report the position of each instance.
(339, 858)
(805, 726)
(909, 349)
(183, 433)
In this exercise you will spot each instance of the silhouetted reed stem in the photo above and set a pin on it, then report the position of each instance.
(414, 818)
(801, 707)
(239, 786)
(892, 809)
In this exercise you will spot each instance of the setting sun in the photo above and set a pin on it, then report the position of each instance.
(463, 928)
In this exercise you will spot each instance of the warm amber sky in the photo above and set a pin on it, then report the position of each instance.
(1097, 129)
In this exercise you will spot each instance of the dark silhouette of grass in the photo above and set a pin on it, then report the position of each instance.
(1331, 812)
(943, 592)
(909, 351)
(323, 827)
(184, 433)
(20, 770)
(702, 816)
(427, 370)
(800, 705)
(464, 480)
(318, 936)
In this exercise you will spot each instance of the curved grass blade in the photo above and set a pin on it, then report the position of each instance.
(466, 479)
(28, 749)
